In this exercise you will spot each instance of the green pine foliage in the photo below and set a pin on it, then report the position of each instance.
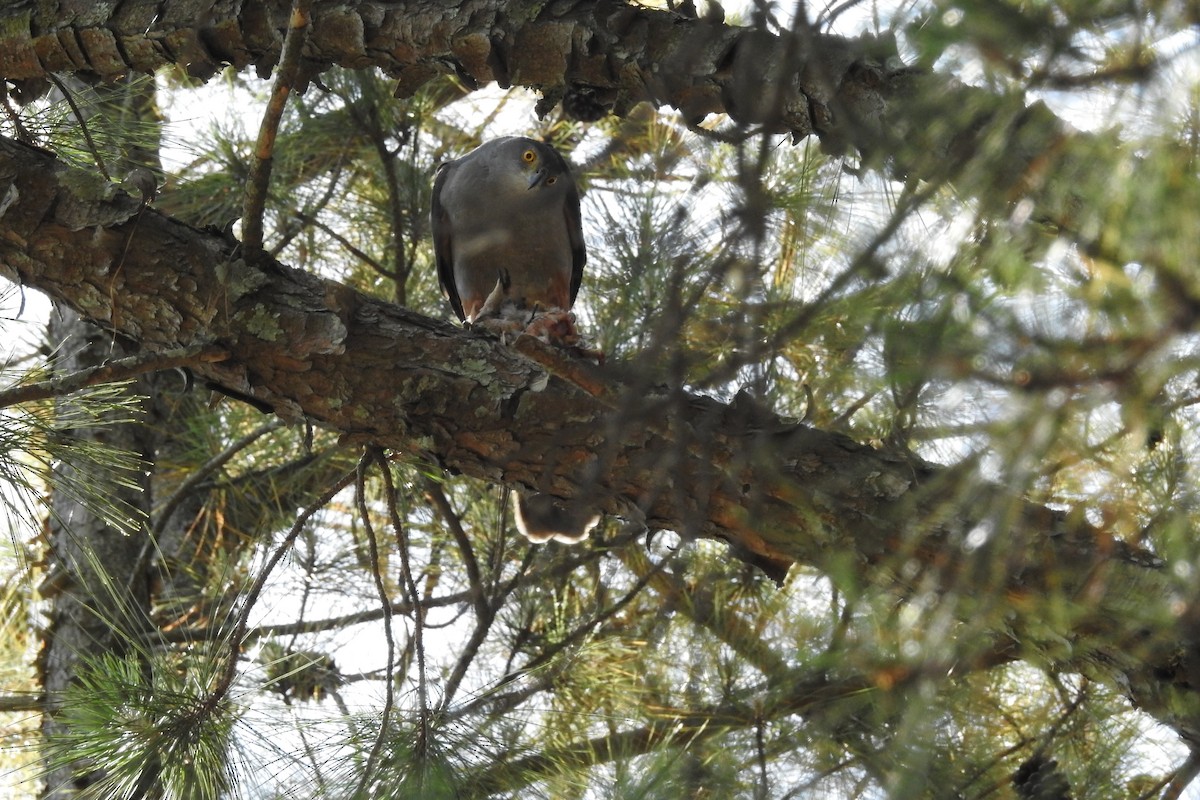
(147, 724)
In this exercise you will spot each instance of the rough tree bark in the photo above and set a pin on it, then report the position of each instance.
(608, 54)
(97, 563)
(779, 493)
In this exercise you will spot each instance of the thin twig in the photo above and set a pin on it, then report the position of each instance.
(14, 118)
(304, 218)
(280, 629)
(1183, 776)
(255, 200)
(401, 266)
(87, 135)
(433, 490)
(585, 630)
(485, 610)
(360, 497)
(198, 476)
(418, 637)
(117, 370)
(358, 253)
(27, 701)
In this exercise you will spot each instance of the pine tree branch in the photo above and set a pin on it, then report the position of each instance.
(389, 698)
(617, 54)
(216, 697)
(284, 629)
(804, 694)
(203, 472)
(120, 369)
(702, 605)
(855, 95)
(81, 119)
(779, 493)
(259, 180)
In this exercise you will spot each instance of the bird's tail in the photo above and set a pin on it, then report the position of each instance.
(542, 517)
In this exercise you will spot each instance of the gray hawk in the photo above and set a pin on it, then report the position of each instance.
(507, 233)
(508, 241)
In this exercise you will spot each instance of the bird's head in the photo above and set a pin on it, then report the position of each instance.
(535, 165)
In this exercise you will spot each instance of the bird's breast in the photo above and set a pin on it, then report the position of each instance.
(532, 253)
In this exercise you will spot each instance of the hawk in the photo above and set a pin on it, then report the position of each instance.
(508, 240)
(507, 233)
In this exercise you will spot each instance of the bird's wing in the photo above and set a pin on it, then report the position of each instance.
(443, 236)
(575, 236)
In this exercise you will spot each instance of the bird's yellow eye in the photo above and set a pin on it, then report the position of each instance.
(529, 156)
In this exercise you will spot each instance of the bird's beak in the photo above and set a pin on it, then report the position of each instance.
(537, 177)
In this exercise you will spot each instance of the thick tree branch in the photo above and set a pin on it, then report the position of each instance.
(608, 54)
(854, 94)
(778, 493)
